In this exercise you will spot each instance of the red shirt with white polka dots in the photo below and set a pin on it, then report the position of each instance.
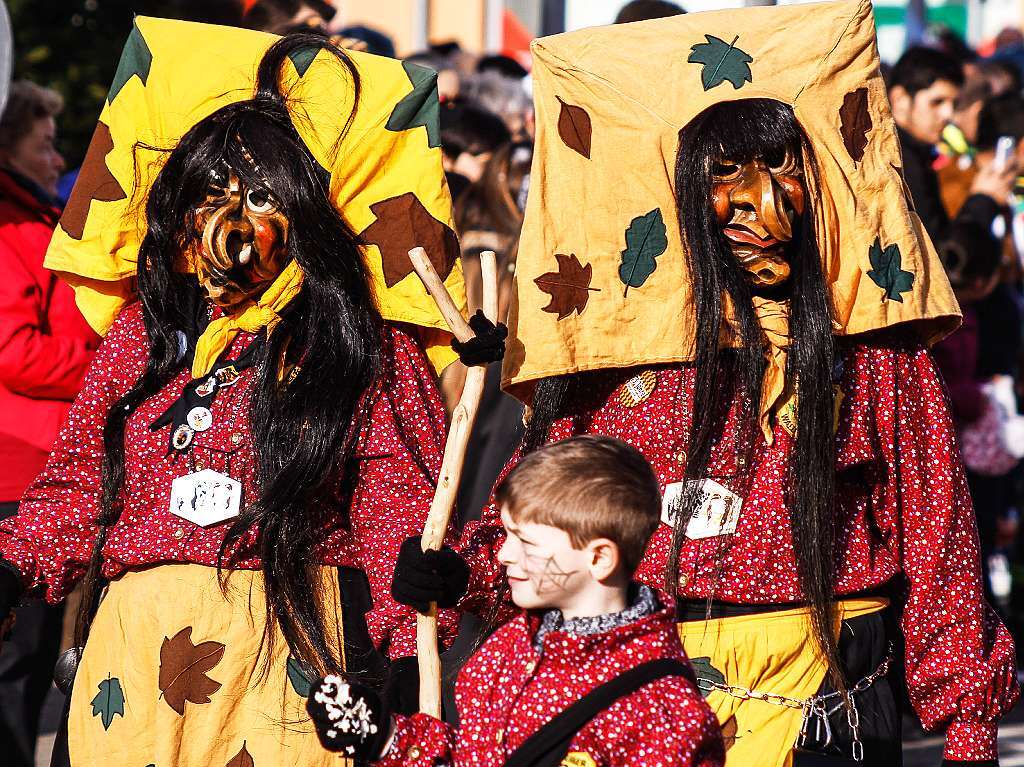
(903, 509)
(508, 690)
(398, 456)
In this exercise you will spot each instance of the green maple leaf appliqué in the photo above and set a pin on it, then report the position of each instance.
(108, 701)
(420, 107)
(722, 61)
(302, 58)
(887, 270)
(136, 60)
(707, 675)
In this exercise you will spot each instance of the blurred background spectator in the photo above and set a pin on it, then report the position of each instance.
(45, 346)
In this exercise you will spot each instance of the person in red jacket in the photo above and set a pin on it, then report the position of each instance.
(592, 672)
(45, 347)
(45, 343)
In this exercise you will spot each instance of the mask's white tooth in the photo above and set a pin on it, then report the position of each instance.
(244, 254)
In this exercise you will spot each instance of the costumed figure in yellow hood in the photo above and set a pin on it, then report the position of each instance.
(720, 265)
(261, 427)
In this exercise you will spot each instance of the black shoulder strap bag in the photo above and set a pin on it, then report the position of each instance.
(548, 746)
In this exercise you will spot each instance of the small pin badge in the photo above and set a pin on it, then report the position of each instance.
(638, 388)
(199, 418)
(182, 437)
(207, 387)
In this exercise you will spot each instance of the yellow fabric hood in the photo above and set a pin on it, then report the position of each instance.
(386, 175)
(610, 103)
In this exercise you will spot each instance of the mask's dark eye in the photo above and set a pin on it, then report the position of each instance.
(259, 202)
(782, 161)
(724, 169)
(774, 157)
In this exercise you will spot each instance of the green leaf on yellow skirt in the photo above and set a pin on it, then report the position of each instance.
(109, 701)
(300, 677)
(707, 675)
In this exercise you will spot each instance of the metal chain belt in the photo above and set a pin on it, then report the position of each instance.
(816, 707)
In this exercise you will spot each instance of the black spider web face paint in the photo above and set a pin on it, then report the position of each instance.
(545, 574)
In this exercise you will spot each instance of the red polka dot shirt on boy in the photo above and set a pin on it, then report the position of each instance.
(398, 456)
(524, 675)
(902, 503)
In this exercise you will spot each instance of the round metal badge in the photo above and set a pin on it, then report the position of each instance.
(207, 387)
(200, 418)
(182, 437)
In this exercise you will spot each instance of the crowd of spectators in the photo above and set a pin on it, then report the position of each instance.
(960, 120)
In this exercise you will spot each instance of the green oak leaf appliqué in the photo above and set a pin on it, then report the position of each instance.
(420, 107)
(646, 239)
(108, 701)
(300, 676)
(136, 60)
(707, 675)
(887, 270)
(722, 61)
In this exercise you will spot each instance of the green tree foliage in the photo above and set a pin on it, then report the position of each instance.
(73, 46)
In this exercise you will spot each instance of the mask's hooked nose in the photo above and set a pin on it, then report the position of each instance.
(757, 191)
(228, 239)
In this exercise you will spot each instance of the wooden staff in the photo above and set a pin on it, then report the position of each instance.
(454, 455)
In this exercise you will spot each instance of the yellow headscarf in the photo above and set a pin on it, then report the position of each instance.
(386, 176)
(601, 275)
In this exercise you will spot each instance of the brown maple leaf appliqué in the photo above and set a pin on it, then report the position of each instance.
(242, 759)
(569, 287)
(183, 667)
(855, 122)
(95, 182)
(403, 224)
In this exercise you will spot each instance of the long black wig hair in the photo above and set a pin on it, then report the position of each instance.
(303, 430)
(739, 131)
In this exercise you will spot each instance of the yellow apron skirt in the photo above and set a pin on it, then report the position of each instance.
(176, 674)
(768, 652)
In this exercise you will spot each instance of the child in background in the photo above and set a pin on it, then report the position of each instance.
(591, 674)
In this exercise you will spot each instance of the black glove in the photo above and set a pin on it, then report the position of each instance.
(402, 686)
(10, 590)
(488, 345)
(422, 577)
(349, 718)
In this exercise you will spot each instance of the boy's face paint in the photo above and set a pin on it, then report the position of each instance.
(544, 570)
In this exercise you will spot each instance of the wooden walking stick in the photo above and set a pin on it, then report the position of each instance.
(454, 455)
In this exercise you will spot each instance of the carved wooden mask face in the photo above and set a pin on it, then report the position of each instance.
(243, 241)
(756, 203)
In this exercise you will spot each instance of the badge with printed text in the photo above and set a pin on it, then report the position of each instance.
(638, 388)
(578, 759)
(718, 509)
(206, 497)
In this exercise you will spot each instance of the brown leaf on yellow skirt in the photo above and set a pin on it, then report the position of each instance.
(729, 732)
(183, 668)
(569, 287)
(242, 759)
